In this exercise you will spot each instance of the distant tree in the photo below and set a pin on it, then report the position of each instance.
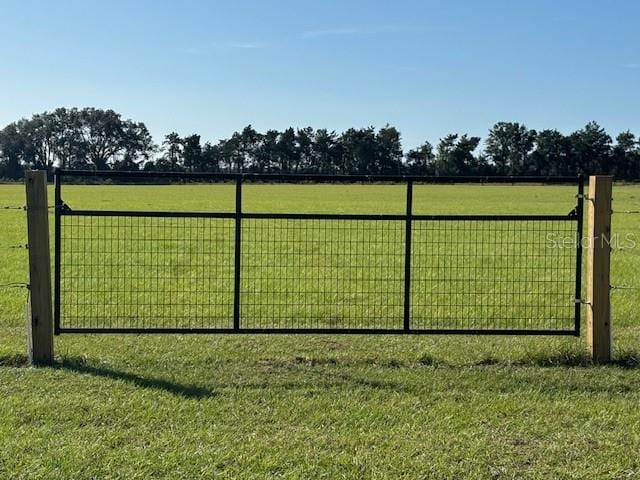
(266, 154)
(326, 152)
(552, 154)
(454, 155)
(101, 139)
(359, 149)
(508, 147)
(192, 153)
(303, 157)
(248, 143)
(625, 161)
(591, 150)
(230, 152)
(11, 152)
(421, 160)
(172, 159)
(388, 151)
(39, 141)
(286, 151)
(210, 158)
(126, 163)
(73, 138)
(107, 138)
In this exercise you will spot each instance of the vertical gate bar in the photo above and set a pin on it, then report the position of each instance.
(580, 214)
(407, 257)
(57, 212)
(238, 243)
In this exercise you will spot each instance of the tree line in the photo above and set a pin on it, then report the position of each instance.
(91, 138)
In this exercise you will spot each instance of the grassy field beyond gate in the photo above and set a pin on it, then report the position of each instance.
(253, 406)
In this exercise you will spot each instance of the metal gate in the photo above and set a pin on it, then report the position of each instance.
(141, 271)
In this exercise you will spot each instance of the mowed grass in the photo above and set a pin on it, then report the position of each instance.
(334, 406)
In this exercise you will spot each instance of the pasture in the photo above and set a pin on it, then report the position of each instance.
(251, 406)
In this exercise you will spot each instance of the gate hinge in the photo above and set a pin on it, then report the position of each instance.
(63, 208)
(581, 301)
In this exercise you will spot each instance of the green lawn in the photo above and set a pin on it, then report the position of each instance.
(255, 406)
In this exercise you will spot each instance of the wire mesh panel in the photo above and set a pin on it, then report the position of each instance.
(130, 272)
(322, 273)
(493, 274)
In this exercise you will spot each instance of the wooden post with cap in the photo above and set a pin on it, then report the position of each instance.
(40, 317)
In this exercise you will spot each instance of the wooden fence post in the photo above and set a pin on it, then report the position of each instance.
(598, 265)
(40, 321)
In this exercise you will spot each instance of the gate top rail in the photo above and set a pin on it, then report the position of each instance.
(311, 177)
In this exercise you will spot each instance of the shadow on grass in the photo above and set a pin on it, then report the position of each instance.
(563, 358)
(79, 365)
(327, 372)
(628, 359)
(574, 358)
(14, 360)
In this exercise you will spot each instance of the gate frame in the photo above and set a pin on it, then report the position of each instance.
(239, 178)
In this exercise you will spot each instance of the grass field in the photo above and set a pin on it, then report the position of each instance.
(254, 406)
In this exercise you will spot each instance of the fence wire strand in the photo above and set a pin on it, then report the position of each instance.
(15, 285)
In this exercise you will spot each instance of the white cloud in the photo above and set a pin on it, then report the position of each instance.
(216, 46)
(248, 45)
(335, 32)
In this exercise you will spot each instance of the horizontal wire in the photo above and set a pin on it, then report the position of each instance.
(14, 285)
(23, 208)
(623, 287)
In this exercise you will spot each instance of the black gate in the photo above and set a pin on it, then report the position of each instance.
(134, 271)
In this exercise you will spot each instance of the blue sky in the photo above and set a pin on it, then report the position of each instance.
(429, 68)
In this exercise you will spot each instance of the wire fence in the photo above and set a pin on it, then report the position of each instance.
(120, 272)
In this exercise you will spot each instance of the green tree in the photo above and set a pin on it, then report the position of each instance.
(388, 159)
(11, 152)
(303, 157)
(286, 151)
(421, 160)
(454, 155)
(591, 150)
(625, 162)
(266, 155)
(172, 159)
(107, 138)
(77, 139)
(210, 158)
(326, 152)
(248, 143)
(552, 154)
(508, 147)
(192, 153)
(359, 149)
